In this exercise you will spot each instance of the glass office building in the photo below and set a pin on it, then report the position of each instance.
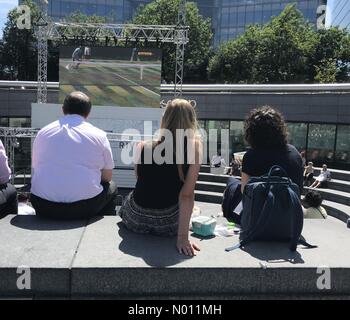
(236, 15)
(229, 17)
(338, 14)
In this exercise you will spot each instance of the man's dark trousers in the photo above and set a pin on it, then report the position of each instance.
(103, 204)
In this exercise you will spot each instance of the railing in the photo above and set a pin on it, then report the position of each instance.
(118, 141)
(205, 88)
(25, 172)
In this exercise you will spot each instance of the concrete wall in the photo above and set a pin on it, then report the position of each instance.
(299, 107)
(303, 107)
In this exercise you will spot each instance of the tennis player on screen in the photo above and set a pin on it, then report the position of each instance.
(77, 56)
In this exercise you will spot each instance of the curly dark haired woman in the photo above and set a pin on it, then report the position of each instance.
(266, 133)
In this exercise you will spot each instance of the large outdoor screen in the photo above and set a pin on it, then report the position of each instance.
(112, 76)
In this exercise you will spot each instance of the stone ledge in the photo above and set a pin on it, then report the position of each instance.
(103, 259)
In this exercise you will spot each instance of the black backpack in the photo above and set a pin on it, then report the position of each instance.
(272, 210)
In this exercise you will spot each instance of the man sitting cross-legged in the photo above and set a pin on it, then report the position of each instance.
(72, 166)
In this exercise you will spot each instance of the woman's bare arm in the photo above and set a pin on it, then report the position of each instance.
(244, 181)
(186, 203)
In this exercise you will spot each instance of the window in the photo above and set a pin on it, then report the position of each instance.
(241, 16)
(297, 135)
(233, 16)
(225, 19)
(342, 153)
(321, 142)
(237, 142)
(220, 145)
(258, 14)
(4, 122)
(249, 18)
(19, 122)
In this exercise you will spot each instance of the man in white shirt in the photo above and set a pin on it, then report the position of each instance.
(217, 161)
(72, 166)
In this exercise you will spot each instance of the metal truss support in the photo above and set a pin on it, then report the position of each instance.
(42, 37)
(62, 31)
(11, 136)
(181, 31)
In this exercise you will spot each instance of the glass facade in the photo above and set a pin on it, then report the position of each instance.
(236, 15)
(298, 135)
(323, 143)
(342, 150)
(229, 17)
(338, 13)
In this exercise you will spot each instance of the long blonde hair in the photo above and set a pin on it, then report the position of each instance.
(179, 114)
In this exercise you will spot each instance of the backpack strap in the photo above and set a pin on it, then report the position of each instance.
(298, 219)
(298, 225)
(304, 243)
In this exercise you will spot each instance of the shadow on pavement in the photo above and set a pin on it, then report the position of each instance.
(155, 251)
(273, 252)
(39, 224)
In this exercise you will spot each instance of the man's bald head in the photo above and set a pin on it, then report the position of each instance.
(77, 103)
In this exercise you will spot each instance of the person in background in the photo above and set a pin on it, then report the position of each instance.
(8, 193)
(235, 167)
(266, 132)
(77, 56)
(217, 161)
(312, 206)
(72, 166)
(322, 180)
(308, 174)
(163, 199)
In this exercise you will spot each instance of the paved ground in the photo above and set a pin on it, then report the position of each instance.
(109, 243)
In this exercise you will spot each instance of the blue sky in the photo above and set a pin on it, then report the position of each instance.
(5, 7)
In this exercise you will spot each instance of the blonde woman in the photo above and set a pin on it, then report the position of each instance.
(163, 199)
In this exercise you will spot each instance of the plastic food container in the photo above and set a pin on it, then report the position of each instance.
(203, 226)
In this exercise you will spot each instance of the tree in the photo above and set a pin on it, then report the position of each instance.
(331, 60)
(197, 51)
(19, 47)
(285, 50)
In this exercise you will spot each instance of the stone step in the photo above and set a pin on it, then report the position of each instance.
(210, 186)
(339, 185)
(336, 202)
(337, 210)
(206, 196)
(210, 177)
(140, 266)
(205, 168)
(336, 174)
(333, 195)
(19, 186)
(21, 179)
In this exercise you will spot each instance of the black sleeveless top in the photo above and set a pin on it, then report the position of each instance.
(158, 186)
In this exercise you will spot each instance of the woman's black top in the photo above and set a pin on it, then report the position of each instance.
(158, 186)
(258, 161)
